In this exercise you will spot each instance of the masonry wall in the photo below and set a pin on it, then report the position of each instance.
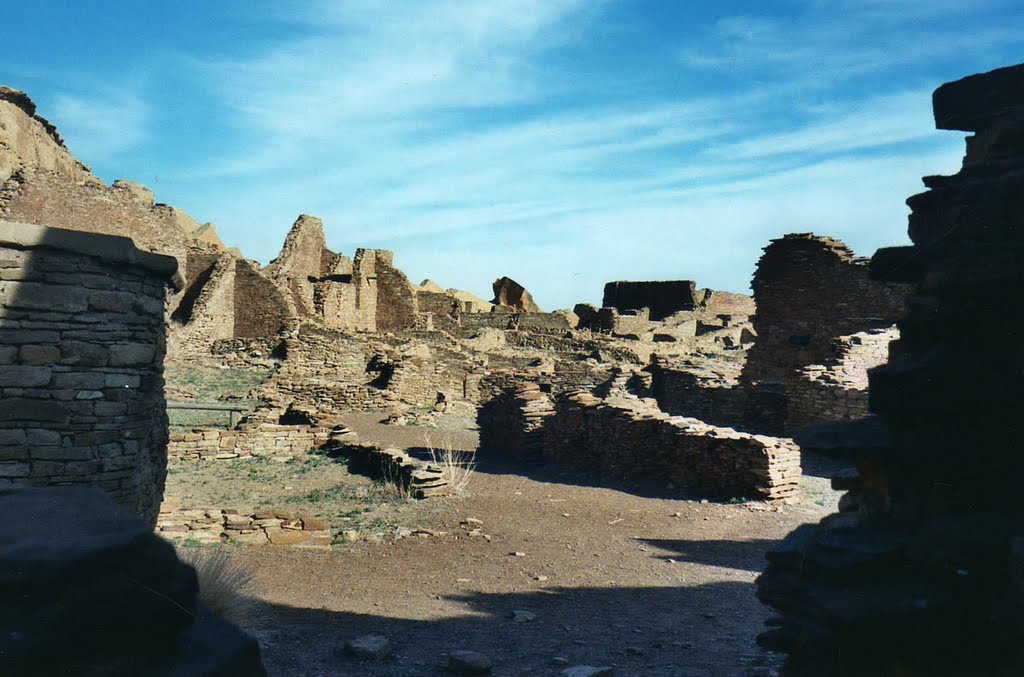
(262, 440)
(81, 363)
(809, 291)
(663, 298)
(445, 310)
(628, 437)
(396, 298)
(260, 309)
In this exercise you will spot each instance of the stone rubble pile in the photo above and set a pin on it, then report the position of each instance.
(920, 571)
(272, 525)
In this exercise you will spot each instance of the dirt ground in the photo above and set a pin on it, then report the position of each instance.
(646, 579)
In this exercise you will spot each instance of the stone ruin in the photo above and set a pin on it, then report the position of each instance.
(81, 363)
(338, 334)
(920, 571)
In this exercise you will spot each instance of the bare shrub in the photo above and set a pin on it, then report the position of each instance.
(457, 466)
(223, 585)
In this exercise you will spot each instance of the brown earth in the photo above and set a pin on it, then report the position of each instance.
(650, 580)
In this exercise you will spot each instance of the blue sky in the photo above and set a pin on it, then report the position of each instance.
(564, 143)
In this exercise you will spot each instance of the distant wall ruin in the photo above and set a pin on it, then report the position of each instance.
(81, 363)
(810, 290)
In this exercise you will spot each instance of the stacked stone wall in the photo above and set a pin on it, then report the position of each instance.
(396, 297)
(810, 290)
(662, 298)
(838, 390)
(626, 437)
(81, 363)
(445, 310)
(262, 440)
(259, 308)
(229, 525)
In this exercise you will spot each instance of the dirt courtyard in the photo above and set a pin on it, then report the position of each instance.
(644, 579)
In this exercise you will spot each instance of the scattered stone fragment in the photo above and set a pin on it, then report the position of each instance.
(587, 671)
(369, 647)
(469, 663)
(522, 616)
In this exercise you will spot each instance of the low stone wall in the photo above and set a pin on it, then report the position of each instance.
(272, 526)
(421, 479)
(264, 440)
(627, 437)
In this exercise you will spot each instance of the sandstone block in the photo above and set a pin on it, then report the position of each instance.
(70, 299)
(286, 536)
(12, 437)
(41, 437)
(17, 409)
(84, 354)
(131, 354)
(20, 376)
(39, 355)
(109, 301)
(14, 469)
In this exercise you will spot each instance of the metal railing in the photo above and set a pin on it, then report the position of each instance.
(234, 411)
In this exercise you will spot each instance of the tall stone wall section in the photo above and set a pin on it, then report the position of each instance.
(81, 363)
(809, 291)
(396, 297)
(920, 571)
(838, 389)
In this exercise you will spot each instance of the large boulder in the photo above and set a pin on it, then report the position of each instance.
(508, 292)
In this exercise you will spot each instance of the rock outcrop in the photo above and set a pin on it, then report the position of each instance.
(28, 141)
(511, 294)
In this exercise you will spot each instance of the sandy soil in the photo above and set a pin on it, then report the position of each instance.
(619, 574)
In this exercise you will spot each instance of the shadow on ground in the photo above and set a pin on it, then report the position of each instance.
(742, 555)
(705, 631)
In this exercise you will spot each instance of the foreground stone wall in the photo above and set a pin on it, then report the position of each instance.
(920, 573)
(228, 525)
(81, 363)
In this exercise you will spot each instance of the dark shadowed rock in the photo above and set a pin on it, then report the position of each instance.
(468, 663)
(79, 573)
(974, 102)
(369, 647)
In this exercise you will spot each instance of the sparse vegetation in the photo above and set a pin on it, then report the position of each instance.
(457, 466)
(223, 585)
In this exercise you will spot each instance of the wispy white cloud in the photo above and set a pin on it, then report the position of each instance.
(445, 131)
(102, 124)
(825, 43)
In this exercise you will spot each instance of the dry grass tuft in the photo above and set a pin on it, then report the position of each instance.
(457, 466)
(223, 585)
